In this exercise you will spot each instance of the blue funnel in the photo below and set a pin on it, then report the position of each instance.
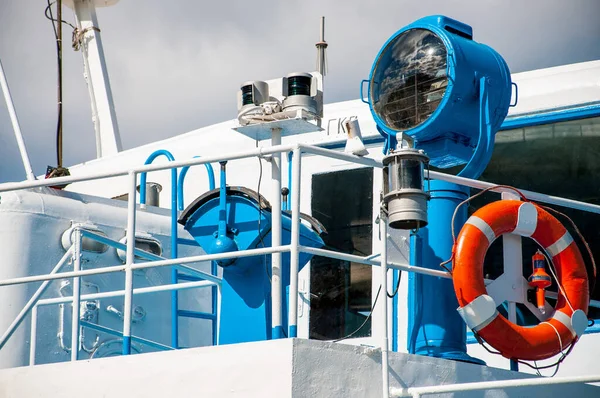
(246, 290)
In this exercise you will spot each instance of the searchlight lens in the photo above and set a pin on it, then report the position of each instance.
(409, 79)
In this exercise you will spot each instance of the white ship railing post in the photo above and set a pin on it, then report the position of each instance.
(384, 308)
(33, 335)
(45, 279)
(128, 301)
(276, 293)
(76, 295)
(15, 124)
(295, 243)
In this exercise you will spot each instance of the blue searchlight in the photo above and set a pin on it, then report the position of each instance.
(447, 95)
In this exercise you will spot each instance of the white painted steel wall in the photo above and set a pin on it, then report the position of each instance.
(31, 226)
(280, 368)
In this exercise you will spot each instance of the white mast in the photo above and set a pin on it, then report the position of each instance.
(108, 139)
(321, 47)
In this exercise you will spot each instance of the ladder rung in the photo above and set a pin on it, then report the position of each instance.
(196, 314)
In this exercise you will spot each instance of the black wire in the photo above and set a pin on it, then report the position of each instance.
(364, 323)
(536, 368)
(397, 286)
(48, 10)
(48, 13)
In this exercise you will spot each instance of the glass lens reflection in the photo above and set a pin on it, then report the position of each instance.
(410, 79)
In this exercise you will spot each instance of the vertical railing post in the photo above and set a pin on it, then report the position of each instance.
(276, 287)
(76, 295)
(128, 301)
(294, 245)
(218, 316)
(384, 308)
(33, 335)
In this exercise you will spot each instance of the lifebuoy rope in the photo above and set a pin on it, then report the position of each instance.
(563, 353)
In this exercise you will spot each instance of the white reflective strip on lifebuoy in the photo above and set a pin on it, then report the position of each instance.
(560, 245)
(526, 220)
(483, 227)
(479, 312)
(565, 320)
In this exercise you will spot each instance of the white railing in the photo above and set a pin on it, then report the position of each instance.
(294, 248)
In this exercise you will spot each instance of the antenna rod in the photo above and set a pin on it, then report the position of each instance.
(321, 47)
(59, 140)
(15, 124)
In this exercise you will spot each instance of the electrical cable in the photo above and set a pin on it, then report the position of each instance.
(585, 243)
(365, 321)
(58, 36)
(397, 286)
(48, 14)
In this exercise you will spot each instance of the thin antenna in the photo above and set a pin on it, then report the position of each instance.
(321, 47)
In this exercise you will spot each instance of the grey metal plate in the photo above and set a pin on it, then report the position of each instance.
(288, 127)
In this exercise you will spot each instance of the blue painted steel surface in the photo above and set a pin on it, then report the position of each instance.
(456, 119)
(126, 345)
(223, 241)
(435, 327)
(246, 287)
(553, 116)
(174, 279)
(395, 281)
(181, 180)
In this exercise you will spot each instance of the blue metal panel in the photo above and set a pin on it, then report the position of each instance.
(552, 116)
(435, 327)
(246, 288)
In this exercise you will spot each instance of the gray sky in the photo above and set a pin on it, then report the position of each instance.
(176, 65)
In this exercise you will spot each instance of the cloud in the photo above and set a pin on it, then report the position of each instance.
(175, 66)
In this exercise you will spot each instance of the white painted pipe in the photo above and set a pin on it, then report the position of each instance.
(294, 244)
(128, 301)
(15, 124)
(218, 320)
(12, 186)
(492, 385)
(76, 295)
(15, 324)
(33, 335)
(152, 264)
(370, 261)
(276, 287)
(121, 293)
(540, 197)
(385, 374)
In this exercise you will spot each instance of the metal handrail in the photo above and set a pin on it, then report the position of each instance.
(294, 247)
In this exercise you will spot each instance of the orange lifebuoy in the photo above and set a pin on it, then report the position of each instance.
(525, 219)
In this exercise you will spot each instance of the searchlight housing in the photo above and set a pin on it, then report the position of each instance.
(432, 84)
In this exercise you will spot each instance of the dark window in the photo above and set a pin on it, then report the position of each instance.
(561, 159)
(340, 290)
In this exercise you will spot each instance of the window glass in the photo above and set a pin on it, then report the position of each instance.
(341, 290)
(561, 159)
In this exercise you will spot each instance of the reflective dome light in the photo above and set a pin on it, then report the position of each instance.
(432, 83)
